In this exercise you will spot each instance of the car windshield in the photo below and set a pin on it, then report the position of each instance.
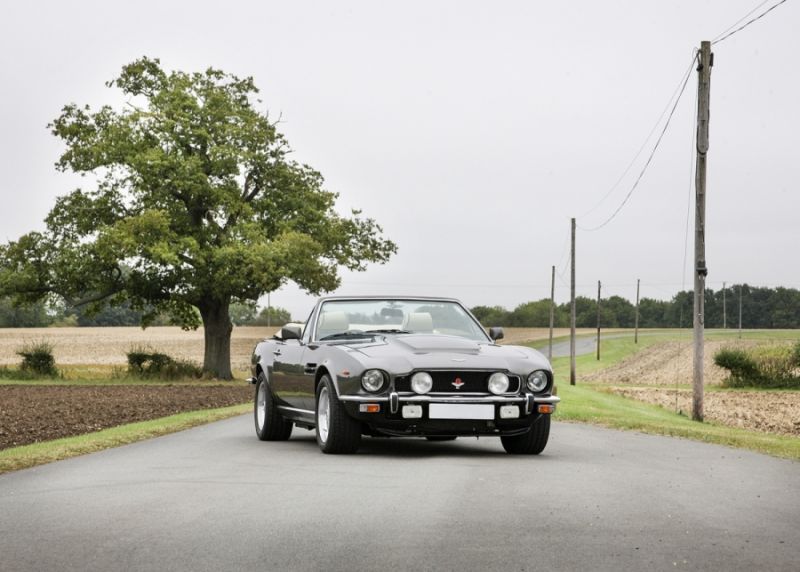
(345, 319)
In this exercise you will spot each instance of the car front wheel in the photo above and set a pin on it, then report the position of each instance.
(337, 432)
(531, 443)
(270, 425)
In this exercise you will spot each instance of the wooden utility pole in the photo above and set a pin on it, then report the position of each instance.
(724, 309)
(552, 311)
(598, 320)
(572, 310)
(701, 270)
(636, 317)
(740, 312)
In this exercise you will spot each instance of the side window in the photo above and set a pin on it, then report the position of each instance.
(307, 328)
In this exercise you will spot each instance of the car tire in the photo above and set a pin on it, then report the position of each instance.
(531, 443)
(270, 425)
(439, 438)
(337, 432)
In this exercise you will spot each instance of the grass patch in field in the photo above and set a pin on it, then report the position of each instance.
(40, 453)
(588, 405)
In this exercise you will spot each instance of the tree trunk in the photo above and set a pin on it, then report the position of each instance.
(217, 332)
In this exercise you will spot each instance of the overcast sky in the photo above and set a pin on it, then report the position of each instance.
(472, 131)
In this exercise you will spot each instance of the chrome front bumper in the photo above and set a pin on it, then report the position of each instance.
(394, 399)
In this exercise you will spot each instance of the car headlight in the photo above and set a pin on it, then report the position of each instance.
(372, 380)
(498, 383)
(421, 382)
(537, 381)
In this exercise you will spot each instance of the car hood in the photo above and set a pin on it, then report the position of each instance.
(406, 352)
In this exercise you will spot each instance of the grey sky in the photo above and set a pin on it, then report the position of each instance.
(471, 131)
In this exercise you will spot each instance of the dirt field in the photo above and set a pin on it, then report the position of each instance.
(772, 411)
(665, 363)
(29, 414)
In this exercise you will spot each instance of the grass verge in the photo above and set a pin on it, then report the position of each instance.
(589, 405)
(27, 456)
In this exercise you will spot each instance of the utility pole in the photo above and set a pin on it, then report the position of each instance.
(636, 317)
(552, 311)
(740, 312)
(724, 309)
(598, 320)
(701, 271)
(572, 310)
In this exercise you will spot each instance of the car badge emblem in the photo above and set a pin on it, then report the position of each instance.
(458, 383)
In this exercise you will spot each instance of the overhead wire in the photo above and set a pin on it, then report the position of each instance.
(728, 34)
(682, 84)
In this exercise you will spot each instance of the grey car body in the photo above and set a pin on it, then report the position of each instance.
(439, 375)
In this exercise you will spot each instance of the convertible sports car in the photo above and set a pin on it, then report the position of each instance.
(396, 367)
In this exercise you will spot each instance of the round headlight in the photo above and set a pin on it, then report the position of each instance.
(498, 383)
(537, 381)
(372, 380)
(421, 382)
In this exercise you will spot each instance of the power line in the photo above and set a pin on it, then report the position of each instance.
(689, 198)
(639, 152)
(685, 80)
(743, 26)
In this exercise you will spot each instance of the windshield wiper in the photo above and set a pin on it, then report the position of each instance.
(344, 335)
(390, 331)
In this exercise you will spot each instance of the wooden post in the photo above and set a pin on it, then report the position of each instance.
(701, 270)
(552, 311)
(636, 317)
(572, 311)
(740, 312)
(724, 309)
(598, 320)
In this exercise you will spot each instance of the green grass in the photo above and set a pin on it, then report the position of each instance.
(588, 405)
(39, 453)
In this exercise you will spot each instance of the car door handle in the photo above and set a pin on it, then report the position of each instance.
(277, 352)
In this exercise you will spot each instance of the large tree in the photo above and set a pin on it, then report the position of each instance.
(194, 204)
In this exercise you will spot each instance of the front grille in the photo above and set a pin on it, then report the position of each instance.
(474, 382)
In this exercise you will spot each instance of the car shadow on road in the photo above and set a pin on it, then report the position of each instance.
(418, 447)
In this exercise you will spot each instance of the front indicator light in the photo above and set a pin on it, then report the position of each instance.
(546, 408)
(369, 408)
(498, 383)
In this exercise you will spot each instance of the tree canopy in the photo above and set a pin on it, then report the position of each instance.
(194, 204)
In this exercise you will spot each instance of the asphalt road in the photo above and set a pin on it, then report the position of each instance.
(216, 498)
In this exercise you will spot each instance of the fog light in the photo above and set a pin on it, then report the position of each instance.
(412, 411)
(509, 412)
(369, 408)
(546, 408)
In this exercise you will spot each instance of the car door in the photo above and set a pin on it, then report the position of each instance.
(289, 380)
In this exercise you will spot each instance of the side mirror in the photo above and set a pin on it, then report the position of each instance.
(291, 332)
(496, 333)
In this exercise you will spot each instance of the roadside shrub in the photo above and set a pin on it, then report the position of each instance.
(37, 358)
(765, 366)
(147, 363)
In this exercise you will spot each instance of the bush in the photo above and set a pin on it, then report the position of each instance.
(144, 362)
(765, 366)
(37, 358)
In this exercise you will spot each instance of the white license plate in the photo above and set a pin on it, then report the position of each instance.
(461, 411)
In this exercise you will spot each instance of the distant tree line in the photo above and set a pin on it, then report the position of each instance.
(46, 313)
(761, 308)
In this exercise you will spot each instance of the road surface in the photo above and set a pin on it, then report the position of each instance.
(216, 498)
